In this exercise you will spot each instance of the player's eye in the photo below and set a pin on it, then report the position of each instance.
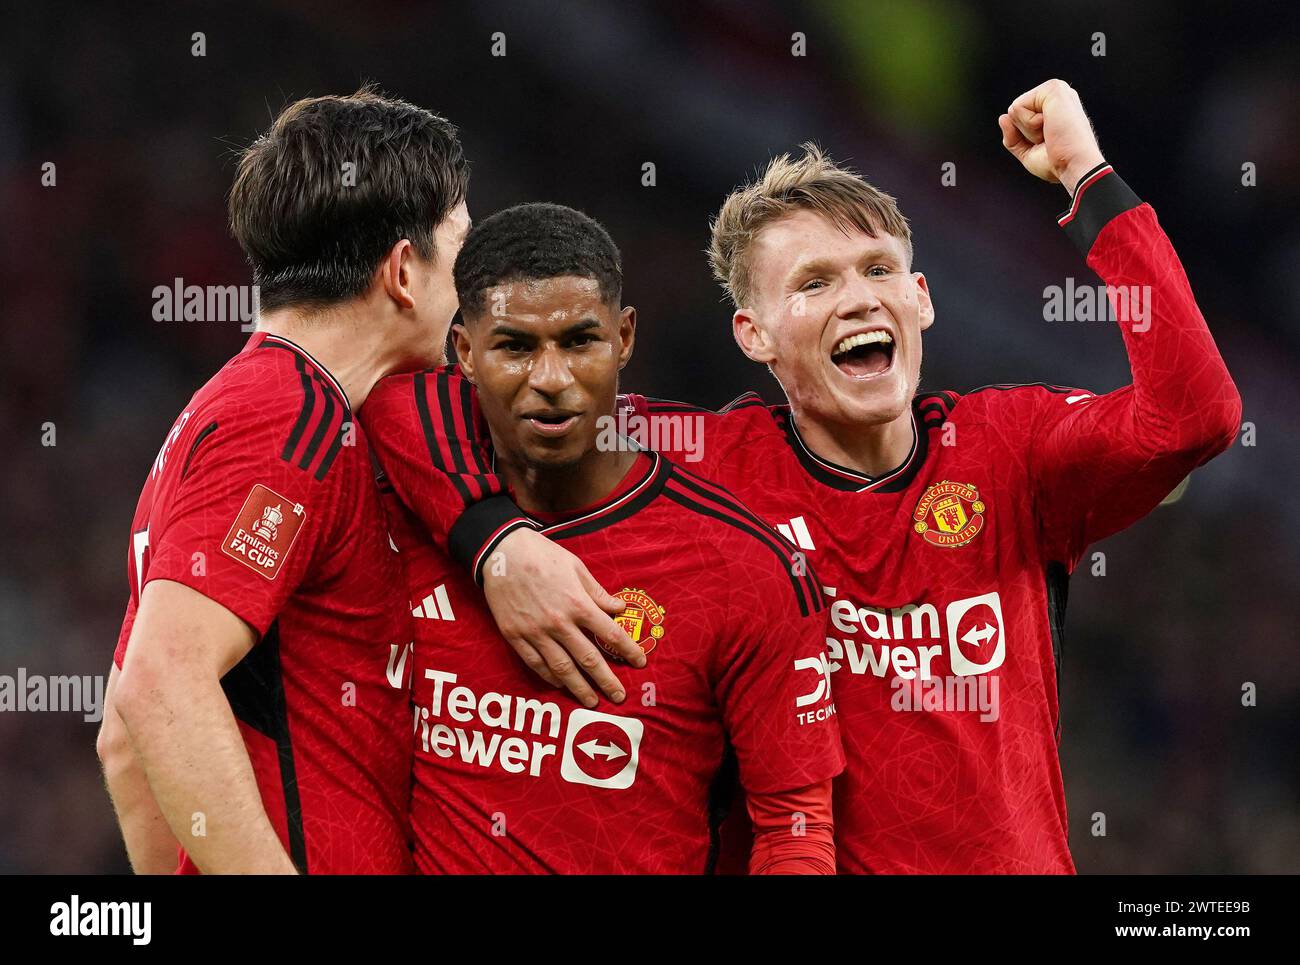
(878, 271)
(511, 345)
(582, 341)
(812, 285)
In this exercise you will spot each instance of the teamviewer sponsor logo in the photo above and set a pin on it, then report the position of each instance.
(597, 744)
(976, 623)
(907, 641)
(521, 735)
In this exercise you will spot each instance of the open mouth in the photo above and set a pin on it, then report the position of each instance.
(864, 356)
(551, 423)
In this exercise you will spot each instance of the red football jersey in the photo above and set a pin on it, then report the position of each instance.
(513, 776)
(263, 499)
(947, 576)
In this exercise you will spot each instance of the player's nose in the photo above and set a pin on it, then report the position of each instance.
(550, 373)
(858, 297)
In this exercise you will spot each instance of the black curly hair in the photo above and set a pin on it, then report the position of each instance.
(535, 241)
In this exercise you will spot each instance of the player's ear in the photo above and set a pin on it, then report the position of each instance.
(464, 350)
(626, 334)
(925, 307)
(752, 337)
(395, 274)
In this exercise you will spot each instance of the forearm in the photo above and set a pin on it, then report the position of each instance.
(1182, 407)
(1183, 399)
(188, 743)
(1102, 462)
(150, 845)
(428, 436)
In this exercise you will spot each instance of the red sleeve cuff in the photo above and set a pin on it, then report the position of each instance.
(793, 832)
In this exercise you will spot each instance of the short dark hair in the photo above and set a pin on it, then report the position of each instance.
(535, 241)
(311, 234)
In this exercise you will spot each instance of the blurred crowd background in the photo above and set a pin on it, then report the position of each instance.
(1196, 600)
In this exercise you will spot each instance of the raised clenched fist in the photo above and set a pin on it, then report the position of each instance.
(1048, 132)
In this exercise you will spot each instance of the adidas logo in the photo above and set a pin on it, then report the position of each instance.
(435, 606)
(796, 531)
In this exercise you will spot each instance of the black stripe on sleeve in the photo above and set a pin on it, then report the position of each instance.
(304, 415)
(420, 385)
(467, 412)
(317, 437)
(806, 588)
(334, 448)
(207, 431)
(444, 404)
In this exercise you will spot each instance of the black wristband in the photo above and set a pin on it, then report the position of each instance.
(480, 528)
(1100, 196)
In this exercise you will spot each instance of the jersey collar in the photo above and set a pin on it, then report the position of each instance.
(850, 480)
(647, 478)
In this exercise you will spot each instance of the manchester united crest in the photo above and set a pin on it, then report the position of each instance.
(949, 514)
(642, 618)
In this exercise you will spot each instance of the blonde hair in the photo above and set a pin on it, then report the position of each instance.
(812, 182)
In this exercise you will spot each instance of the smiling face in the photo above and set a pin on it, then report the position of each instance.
(545, 356)
(838, 317)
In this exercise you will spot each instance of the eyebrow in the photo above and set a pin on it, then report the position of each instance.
(817, 266)
(505, 331)
(825, 266)
(582, 326)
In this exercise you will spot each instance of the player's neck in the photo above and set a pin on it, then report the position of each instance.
(872, 450)
(561, 489)
(353, 352)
